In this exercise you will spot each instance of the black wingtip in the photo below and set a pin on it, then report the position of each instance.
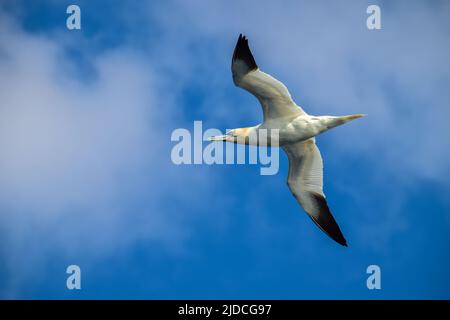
(326, 221)
(242, 52)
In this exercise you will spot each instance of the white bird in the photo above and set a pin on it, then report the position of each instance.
(296, 130)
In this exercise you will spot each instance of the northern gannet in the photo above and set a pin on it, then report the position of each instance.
(296, 130)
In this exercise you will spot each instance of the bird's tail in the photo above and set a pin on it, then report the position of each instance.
(337, 121)
(344, 119)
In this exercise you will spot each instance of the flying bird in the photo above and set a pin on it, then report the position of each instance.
(296, 135)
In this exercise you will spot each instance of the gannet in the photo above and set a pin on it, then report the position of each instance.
(296, 130)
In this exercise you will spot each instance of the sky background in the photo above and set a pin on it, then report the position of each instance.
(86, 176)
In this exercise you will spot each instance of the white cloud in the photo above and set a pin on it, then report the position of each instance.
(333, 64)
(86, 162)
(74, 152)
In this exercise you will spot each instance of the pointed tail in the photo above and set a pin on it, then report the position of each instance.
(337, 121)
(351, 117)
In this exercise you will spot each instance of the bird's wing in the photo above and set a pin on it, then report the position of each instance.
(271, 93)
(305, 180)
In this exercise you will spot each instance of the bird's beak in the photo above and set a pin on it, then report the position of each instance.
(219, 138)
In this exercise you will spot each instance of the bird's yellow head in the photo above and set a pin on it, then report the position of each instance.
(238, 135)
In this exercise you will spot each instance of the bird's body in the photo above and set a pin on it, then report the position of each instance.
(288, 126)
(291, 129)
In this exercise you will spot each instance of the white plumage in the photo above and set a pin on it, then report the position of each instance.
(296, 131)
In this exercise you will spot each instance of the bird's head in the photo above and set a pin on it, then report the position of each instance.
(237, 135)
(239, 132)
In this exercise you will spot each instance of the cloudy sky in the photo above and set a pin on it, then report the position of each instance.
(86, 177)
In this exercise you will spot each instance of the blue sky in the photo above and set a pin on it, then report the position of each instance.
(86, 176)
